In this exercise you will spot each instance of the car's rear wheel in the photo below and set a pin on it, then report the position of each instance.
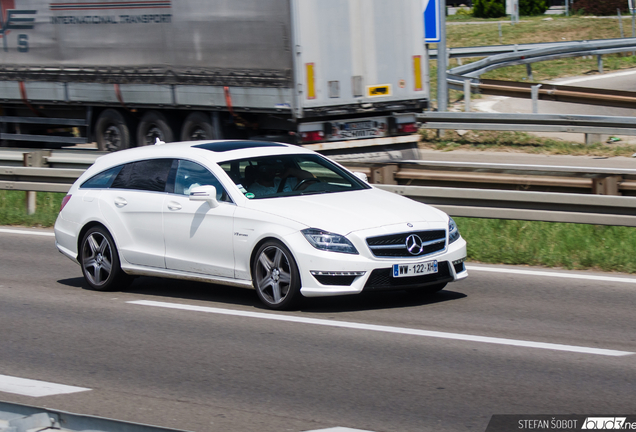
(275, 276)
(100, 261)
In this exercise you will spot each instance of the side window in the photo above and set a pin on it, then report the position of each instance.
(190, 175)
(102, 180)
(149, 175)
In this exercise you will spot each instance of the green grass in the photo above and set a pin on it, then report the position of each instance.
(13, 209)
(570, 246)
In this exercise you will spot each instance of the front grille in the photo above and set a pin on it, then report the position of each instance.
(382, 279)
(394, 245)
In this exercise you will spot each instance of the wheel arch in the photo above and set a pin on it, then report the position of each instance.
(84, 230)
(261, 242)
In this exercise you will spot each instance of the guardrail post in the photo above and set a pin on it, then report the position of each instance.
(534, 91)
(599, 59)
(34, 159)
(529, 71)
(467, 92)
(606, 185)
(384, 174)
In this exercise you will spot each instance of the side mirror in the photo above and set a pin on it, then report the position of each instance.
(204, 193)
(362, 176)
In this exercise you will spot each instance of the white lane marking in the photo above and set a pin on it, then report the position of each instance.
(385, 329)
(36, 233)
(551, 274)
(594, 77)
(35, 388)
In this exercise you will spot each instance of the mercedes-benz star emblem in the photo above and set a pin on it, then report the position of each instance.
(414, 244)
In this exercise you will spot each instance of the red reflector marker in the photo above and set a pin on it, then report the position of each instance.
(312, 136)
(407, 128)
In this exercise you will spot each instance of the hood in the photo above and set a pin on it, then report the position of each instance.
(346, 212)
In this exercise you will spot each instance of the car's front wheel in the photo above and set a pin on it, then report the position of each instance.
(275, 276)
(100, 261)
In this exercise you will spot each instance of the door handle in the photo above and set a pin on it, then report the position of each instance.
(174, 206)
(120, 202)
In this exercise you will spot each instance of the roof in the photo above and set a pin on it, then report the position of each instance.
(211, 151)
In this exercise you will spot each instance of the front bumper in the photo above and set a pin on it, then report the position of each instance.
(329, 273)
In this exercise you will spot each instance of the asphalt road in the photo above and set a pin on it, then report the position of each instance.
(207, 370)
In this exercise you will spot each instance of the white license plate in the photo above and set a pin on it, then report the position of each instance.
(358, 129)
(416, 269)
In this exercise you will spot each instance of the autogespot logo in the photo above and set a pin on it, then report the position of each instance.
(606, 423)
(14, 19)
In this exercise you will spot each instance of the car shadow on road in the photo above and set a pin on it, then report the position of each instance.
(165, 289)
(376, 301)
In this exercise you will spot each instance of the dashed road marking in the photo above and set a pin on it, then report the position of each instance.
(552, 274)
(386, 329)
(35, 388)
(25, 232)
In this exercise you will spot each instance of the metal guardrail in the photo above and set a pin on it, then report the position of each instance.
(471, 202)
(530, 122)
(490, 50)
(466, 77)
(535, 206)
(24, 418)
(577, 49)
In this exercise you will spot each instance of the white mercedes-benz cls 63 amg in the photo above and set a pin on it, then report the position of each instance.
(276, 217)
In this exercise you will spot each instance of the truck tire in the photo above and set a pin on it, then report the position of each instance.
(197, 126)
(153, 125)
(111, 131)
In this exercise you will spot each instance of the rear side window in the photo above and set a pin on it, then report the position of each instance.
(102, 180)
(149, 175)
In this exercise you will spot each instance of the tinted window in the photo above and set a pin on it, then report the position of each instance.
(148, 175)
(190, 175)
(102, 180)
(287, 175)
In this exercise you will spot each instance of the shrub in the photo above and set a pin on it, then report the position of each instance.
(489, 8)
(462, 11)
(600, 7)
(532, 7)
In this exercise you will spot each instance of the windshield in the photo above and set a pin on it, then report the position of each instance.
(290, 175)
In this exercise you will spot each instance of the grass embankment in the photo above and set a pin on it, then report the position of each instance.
(552, 28)
(569, 246)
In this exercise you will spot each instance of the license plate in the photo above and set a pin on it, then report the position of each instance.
(416, 269)
(358, 129)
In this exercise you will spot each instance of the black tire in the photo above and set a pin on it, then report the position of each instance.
(99, 260)
(197, 126)
(275, 276)
(111, 131)
(153, 125)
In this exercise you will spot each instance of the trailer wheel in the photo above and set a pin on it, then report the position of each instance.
(153, 125)
(197, 126)
(111, 131)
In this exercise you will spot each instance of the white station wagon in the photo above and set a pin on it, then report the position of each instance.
(279, 218)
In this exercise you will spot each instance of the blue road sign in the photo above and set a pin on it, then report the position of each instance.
(432, 21)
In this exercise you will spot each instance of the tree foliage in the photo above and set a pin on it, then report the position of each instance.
(489, 8)
(532, 7)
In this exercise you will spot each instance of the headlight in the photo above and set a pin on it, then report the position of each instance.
(453, 232)
(329, 241)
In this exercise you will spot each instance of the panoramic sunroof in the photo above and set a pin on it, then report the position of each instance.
(224, 146)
